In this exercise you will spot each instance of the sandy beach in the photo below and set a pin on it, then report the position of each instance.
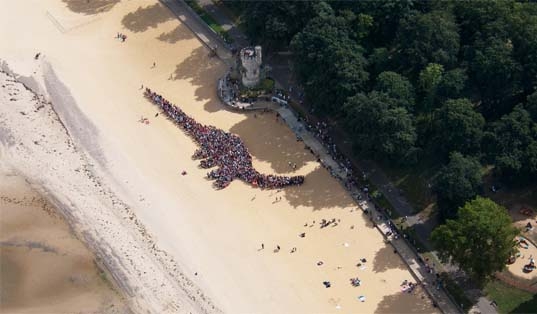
(172, 243)
(44, 268)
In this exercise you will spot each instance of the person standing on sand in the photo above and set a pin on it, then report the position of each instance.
(262, 246)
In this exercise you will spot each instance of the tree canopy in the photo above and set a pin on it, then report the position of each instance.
(428, 38)
(340, 66)
(459, 181)
(513, 145)
(379, 127)
(397, 87)
(480, 241)
(460, 74)
(457, 127)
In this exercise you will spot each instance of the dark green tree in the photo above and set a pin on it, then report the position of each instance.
(397, 87)
(524, 37)
(429, 79)
(480, 241)
(459, 181)
(483, 19)
(273, 24)
(386, 16)
(329, 63)
(379, 128)
(457, 127)
(379, 60)
(511, 145)
(428, 38)
(531, 105)
(453, 84)
(496, 74)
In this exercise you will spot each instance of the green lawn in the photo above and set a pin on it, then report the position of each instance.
(510, 299)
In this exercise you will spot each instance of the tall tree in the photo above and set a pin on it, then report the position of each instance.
(397, 87)
(380, 128)
(457, 127)
(496, 74)
(458, 182)
(428, 38)
(511, 145)
(453, 84)
(531, 105)
(480, 241)
(524, 36)
(483, 19)
(429, 79)
(386, 16)
(329, 63)
(275, 23)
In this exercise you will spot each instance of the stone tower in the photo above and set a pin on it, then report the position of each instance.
(251, 65)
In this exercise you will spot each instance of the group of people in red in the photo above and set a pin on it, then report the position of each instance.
(221, 149)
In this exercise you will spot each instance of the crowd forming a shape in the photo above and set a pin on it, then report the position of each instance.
(221, 149)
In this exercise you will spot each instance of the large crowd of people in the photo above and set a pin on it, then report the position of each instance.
(221, 149)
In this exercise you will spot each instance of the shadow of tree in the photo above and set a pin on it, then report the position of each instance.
(272, 143)
(90, 7)
(177, 34)
(386, 259)
(417, 302)
(319, 191)
(202, 72)
(529, 306)
(144, 18)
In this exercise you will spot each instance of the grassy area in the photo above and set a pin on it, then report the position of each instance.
(209, 20)
(510, 299)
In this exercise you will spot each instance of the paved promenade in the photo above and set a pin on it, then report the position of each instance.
(403, 249)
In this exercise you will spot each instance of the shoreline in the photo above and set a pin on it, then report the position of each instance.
(44, 261)
(74, 216)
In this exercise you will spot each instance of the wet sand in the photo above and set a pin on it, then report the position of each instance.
(44, 268)
(121, 180)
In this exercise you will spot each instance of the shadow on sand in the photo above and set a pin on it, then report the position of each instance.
(405, 303)
(272, 143)
(387, 259)
(177, 34)
(202, 72)
(144, 18)
(90, 7)
(277, 145)
(319, 191)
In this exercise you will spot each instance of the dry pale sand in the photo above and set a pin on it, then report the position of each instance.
(44, 268)
(179, 225)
